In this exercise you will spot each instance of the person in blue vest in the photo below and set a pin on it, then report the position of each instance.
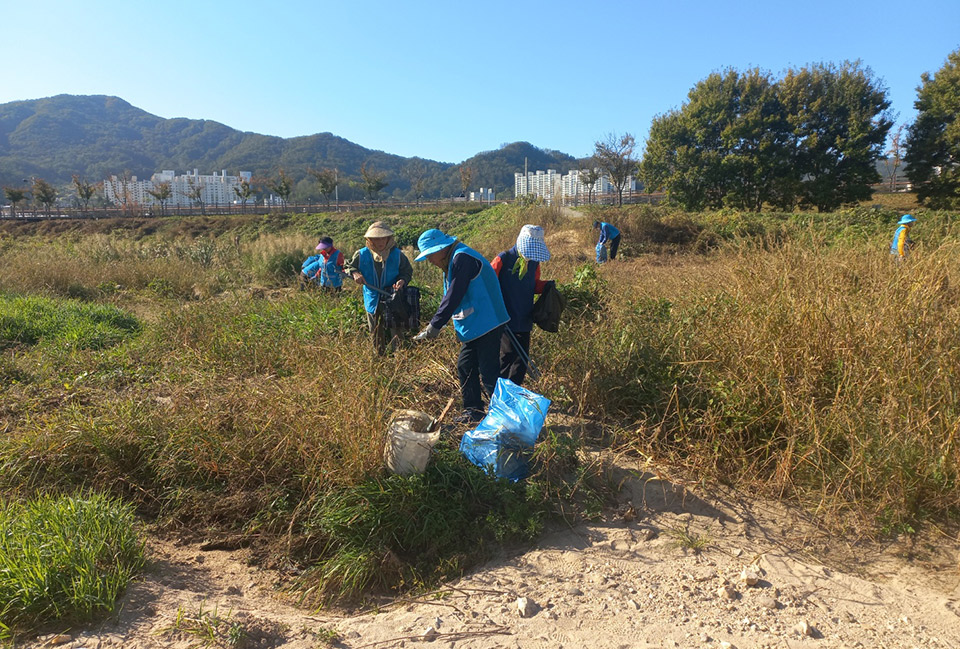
(472, 299)
(609, 235)
(900, 246)
(382, 266)
(518, 270)
(324, 269)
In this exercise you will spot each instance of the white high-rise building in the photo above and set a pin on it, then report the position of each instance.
(215, 189)
(568, 188)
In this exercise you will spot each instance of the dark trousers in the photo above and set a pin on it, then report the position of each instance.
(382, 334)
(479, 363)
(614, 246)
(512, 365)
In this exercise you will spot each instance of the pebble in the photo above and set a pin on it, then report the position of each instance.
(769, 602)
(527, 607)
(573, 590)
(727, 592)
(749, 577)
(803, 628)
(430, 634)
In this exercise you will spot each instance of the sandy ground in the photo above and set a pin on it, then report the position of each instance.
(764, 577)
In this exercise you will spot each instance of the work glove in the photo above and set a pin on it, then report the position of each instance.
(429, 333)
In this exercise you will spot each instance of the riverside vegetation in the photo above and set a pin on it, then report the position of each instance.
(172, 364)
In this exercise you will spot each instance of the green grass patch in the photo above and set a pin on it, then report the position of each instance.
(395, 532)
(32, 320)
(64, 558)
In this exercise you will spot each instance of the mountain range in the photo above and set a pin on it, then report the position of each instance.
(96, 136)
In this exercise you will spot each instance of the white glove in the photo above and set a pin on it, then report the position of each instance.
(429, 333)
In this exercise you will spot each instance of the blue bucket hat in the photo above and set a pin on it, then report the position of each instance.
(432, 241)
(905, 219)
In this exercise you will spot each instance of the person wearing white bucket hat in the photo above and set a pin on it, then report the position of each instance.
(472, 299)
(380, 267)
(900, 246)
(518, 270)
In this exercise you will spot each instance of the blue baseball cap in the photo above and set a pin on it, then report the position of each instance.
(906, 218)
(432, 241)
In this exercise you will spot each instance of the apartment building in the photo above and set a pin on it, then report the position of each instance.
(568, 187)
(215, 189)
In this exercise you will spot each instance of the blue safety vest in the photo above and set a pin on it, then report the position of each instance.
(903, 232)
(482, 309)
(330, 271)
(388, 276)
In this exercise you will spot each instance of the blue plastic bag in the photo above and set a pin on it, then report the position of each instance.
(601, 253)
(503, 442)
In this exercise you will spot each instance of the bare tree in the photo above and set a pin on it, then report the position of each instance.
(615, 156)
(895, 155)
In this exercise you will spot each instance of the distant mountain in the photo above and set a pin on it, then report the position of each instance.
(98, 136)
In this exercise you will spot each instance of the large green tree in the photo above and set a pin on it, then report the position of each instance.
(745, 140)
(838, 116)
(933, 140)
(728, 145)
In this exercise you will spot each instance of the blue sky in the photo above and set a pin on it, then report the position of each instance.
(446, 80)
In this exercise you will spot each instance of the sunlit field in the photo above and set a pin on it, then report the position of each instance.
(175, 364)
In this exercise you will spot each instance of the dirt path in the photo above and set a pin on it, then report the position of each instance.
(634, 580)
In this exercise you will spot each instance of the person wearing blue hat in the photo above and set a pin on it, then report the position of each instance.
(609, 235)
(518, 270)
(472, 299)
(900, 246)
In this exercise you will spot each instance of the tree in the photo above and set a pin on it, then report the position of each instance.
(162, 192)
(838, 117)
(729, 145)
(466, 177)
(85, 191)
(282, 186)
(44, 193)
(744, 140)
(243, 193)
(417, 174)
(615, 156)
(933, 140)
(327, 181)
(588, 175)
(895, 155)
(372, 181)
(195, 193)
(14, 195)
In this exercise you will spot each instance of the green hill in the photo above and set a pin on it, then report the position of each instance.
(97, 136)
